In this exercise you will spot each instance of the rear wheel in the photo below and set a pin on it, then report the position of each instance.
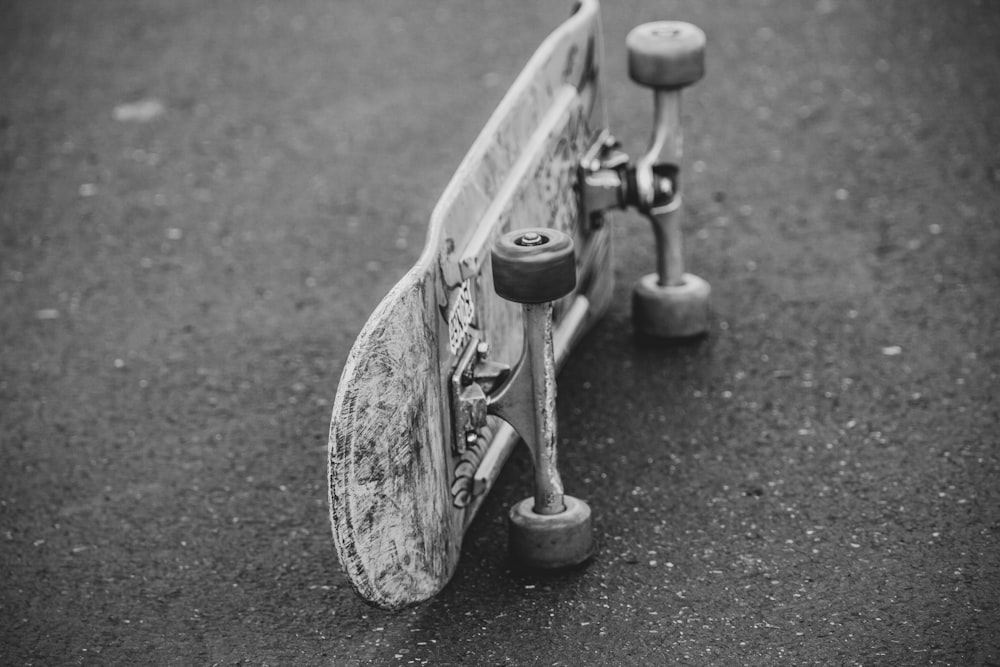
(534, 265)
(551, 541)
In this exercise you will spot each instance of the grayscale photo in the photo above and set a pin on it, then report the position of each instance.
(500, 333)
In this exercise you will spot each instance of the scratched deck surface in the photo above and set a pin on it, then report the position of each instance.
(397, 532)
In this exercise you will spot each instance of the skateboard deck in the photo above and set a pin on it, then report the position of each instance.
(397, 518)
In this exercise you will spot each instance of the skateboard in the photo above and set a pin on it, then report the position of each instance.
(457, 365)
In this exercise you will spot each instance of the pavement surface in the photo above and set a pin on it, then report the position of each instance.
(201, 203)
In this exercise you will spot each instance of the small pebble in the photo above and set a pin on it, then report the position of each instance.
(141, 111)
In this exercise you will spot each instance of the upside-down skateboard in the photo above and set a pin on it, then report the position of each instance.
(458, 362)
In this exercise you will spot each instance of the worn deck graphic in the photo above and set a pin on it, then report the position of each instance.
(392, 465)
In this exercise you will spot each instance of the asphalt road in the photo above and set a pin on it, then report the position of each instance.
(200, 204)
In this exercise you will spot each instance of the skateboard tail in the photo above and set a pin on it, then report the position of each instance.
(385, 450)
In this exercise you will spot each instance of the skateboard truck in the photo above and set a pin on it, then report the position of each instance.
(533, 267)
(666, 56)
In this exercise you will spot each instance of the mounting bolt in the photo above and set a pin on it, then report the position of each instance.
(530, 239)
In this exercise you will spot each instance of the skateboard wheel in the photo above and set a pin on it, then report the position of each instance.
(534, 265)
(666, 54)
(670, 311)
(550, 541)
